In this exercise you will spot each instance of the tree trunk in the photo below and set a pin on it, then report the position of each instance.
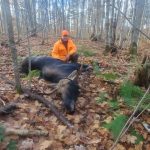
(34, 14)
(63, 15)
(142, 75)
(3, 9)
(81, 28)
(107, 29)
(102, 18)
(137, 19)
(112, 27)
(10, 32)
(122, 30)
(30, 17)
(17, 13)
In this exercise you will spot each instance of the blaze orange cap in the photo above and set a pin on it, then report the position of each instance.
(64, 32)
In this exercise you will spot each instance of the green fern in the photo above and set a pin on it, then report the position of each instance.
(96, 68)
(88, 53)
(131, 94)
(116, 125)
(113, 104)
(33, 73)
(109, 76)
(12, 145)
(139, 137)
(102, 98)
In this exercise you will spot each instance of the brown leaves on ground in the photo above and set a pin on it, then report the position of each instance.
(88, 133)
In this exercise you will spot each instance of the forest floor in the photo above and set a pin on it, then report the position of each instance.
(98, 104)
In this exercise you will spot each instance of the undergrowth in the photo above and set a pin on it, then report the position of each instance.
(85, 51)
(116, 125)
(109, 76)
(33, 73)
(131, 95)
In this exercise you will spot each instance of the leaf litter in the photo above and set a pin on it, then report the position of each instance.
(89, 116)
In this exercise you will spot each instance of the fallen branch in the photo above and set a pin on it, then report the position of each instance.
(23, 132)
(8, 108)
(2, 102)
(47, 103)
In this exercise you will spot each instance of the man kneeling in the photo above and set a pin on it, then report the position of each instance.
(64, 49)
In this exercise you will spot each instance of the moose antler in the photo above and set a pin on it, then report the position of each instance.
(64, 81)
(73, 75)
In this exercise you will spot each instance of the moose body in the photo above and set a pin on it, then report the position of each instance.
(54, 70)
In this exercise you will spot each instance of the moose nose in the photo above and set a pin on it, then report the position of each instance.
(71, 112)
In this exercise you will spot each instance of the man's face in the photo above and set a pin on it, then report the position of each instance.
(65, 38)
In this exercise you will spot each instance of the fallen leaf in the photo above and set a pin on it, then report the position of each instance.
(108, 119)
(26, 144)
(120, 147)
(131, 139)
(46, 144)
(80, 147)
(94, 141)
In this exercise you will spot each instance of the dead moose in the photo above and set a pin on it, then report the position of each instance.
(54, 70)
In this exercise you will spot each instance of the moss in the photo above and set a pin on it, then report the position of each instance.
(107, 50)
(133, 48)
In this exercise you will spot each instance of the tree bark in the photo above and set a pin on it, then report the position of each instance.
(10, 32)
(137, 19)
(17, 13)
(142, 74)
(30, 17)
(123, 30)
(107, 29)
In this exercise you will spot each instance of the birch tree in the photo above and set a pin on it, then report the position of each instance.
(6, 5)
(137, 19)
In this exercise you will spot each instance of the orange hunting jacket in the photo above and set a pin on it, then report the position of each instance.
(60, 52)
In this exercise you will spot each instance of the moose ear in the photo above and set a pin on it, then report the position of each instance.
(73, 75)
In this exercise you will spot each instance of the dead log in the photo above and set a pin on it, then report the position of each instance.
(41, 99)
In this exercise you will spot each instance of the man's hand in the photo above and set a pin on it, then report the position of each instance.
(67, 58)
